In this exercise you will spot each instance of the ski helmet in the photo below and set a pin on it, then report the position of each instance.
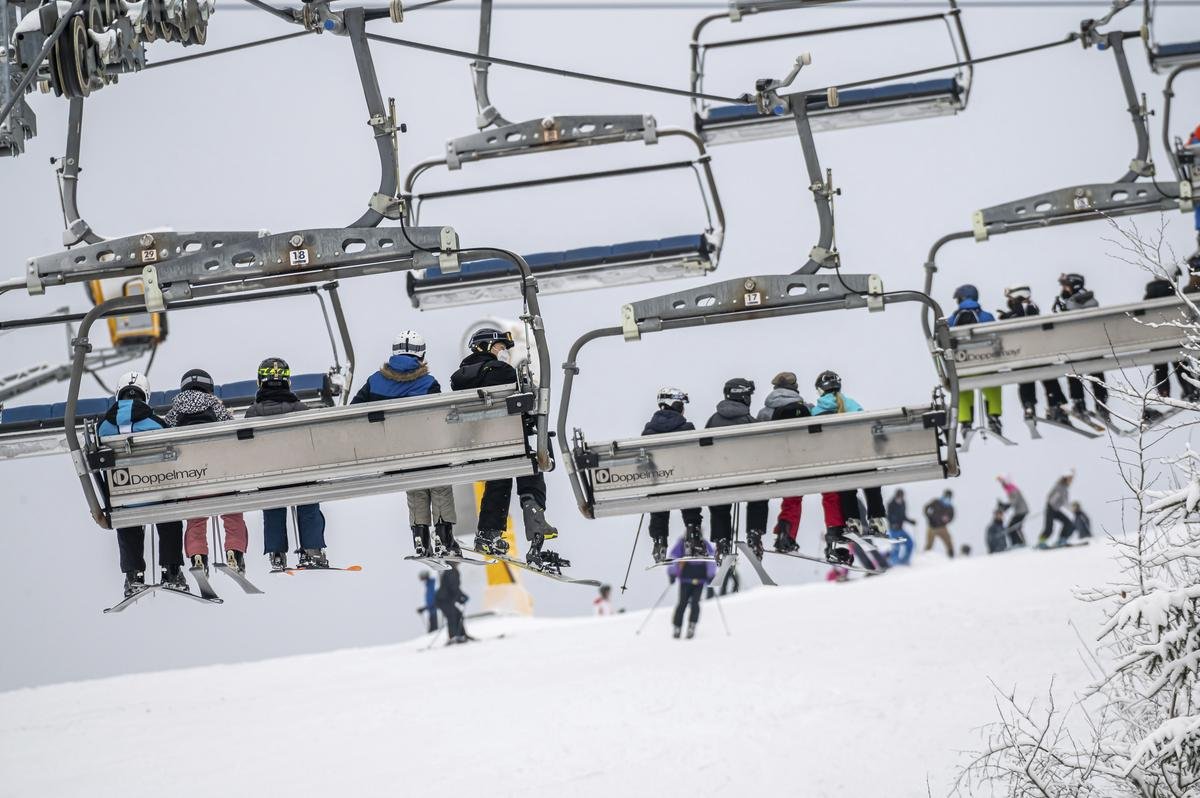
(828, 382)
(965, 292)
(1072, 283)
(196, 380)
(739, 390)
(483, 339)
(1193, 262)
(668, 397)
(133, 385)
(409, 342)
(1018, 292)
(274, 372)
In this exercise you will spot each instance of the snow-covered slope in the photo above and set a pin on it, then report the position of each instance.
(868, 688)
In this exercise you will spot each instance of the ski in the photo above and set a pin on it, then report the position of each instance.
(437, 565)
(206, 589)
(1032, 423)
(292, 571)
(140, 593)
(1069, 427)
(442, 563)
(969, 435)
(869, 551)
(189, 594)
(535, 570)
(237, 576)
(1069, 545)
(125, 603)
(1089, 421)
(662, 563)
(821, 561)
(1164, 417)
(755, 563)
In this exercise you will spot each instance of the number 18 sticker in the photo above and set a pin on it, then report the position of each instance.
(298, 257)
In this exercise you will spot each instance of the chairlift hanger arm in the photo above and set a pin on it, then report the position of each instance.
(383, 203)
(77, 230)
(488, 116)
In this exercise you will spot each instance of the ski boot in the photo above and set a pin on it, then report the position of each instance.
(535, 520)
(491, 541)
(444, 544)
(200, 562)
(236, 560)
(837, 546)
(695, 541)
(172, 579)
(1191, 395)
(783, 538)
(877, 527)
(724, 547)
(421, 543)
(1150, 417)
(1103, 414)
(677, 631)
(313, 558)
(994, 425)
(135, 582)
(966, 426)
(545, 560)
(1030, 411)
(754, 539)
(1057, 414)
(660, 547)
(278, 561)
(691, 632)
(1079, 408)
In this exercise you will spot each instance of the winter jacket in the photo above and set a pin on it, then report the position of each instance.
(402, 375)
(1158, 289)
(430, 593)
(694, 572)
(1078, 301)
(274, 402)
(1057, 498)
(939, 512)
(127, 416)
(1016, 499)
(1027, 308)
(897, 513)
(829, 404)
(969, 312)
(779, 399)
(996, 537)
(1083, 524)
(450, 588)
(196, 407)
(729, 414)
(798, 409)
(481, 369)
(602, 606)
(667, 420)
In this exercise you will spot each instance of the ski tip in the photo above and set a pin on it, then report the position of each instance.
(353, 568)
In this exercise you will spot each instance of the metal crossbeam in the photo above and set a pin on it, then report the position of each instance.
(1075, 204)
(551, 132)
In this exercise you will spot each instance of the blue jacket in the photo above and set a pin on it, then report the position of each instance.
(128, 416)
(828, 404)
(969, 304)
(402, 375)
(430, 592)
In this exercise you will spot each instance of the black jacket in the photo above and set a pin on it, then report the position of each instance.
(1021, 310)
(274, 402)
(897, 513)
(792, 410)
(667, 421)
(450, 588)
(481, 369)
(729, 414)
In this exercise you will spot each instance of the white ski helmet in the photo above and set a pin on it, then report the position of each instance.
(1018, 292)
(409, 342)
(133, 381)
(669, 396)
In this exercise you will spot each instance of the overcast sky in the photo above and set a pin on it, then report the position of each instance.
(276, 138)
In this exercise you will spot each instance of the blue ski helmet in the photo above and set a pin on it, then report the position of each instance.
(964, 292)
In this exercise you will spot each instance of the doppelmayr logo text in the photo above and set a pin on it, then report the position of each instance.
(606, 477)
(122, 478)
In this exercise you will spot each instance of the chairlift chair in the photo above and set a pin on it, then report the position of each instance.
(870, 103)
(1164, 56)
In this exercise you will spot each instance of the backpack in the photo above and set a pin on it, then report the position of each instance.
(964, 316)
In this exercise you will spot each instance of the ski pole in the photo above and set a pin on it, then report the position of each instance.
(661, 596)
(636, 536)
(436, 634)
(721, 612)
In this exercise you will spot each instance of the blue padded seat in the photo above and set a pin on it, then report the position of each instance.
(849, 99)
(241, 392)
(310, 385)
(26, 414)
(1178, 49)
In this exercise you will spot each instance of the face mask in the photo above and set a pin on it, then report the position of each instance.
(504, 356)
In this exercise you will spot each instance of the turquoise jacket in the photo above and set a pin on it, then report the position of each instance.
(828, 404)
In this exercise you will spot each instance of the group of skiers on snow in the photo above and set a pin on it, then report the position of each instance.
(1006, 530)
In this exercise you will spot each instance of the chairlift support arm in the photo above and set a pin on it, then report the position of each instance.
(488, 116)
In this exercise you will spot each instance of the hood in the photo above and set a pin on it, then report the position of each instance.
(1085, 295)
(194, 402)
(666, 421)
(781, 397)
(969, 304)
(404, 368)
(281, 395)
(727, 408)
(136, 408)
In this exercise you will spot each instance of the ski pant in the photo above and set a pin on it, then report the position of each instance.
(1099, 389)
(831, 504)
(660, 522)
(966, 403)
(1162, 378)
(941, 533)
(431, 505)
(721, 519)
(789, 514)
(195, 539)
(454, 618)
(902, 549)
(849, 502)
(310, 519)
(1054, 393)
(131, 541)
(431, 613)
(690, 591)
(497, 494)
(1054, 514)
(1016, 533)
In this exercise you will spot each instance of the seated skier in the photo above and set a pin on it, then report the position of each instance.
(1019, 299)
(487, 364)
(782, 403)
(197, 404)
(275, 398)
(669, 418)
(970, 312)
(130, 413)
(1159, 288)
(406, 374)
(734, 410)
(1074, 295)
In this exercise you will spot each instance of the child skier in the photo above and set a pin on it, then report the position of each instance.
(487, 365)
(734, 410)
(406, 374)
(692, 576)
(782, 403)
(669, 418)
(130, 413)
(1020, 304)
(275, 398)
(837, 546)
(196, 404)
(1020, 511)
(1083, 524)
(1074, 295)
(997, 540)
(970, 312)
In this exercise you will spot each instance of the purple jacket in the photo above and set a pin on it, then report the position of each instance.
(694, 572)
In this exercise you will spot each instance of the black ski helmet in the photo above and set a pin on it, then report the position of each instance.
(828, 382)
(1072, 283)
(274, 372)
(483, 339)
(739, 390)
(966, 291)
(196, 380)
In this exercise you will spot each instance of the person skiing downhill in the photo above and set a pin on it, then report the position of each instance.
(448, 598)
(275, 398)
(1056, 500)
(970, 312)
(837, 546)
(1015, 501)
(406, 374)
(897, 517)
(197, 404)
(1019, 299)
(131, 413)
(487, 364)
(1074, 295)
(734, 410)
(782, 403)
(430, 597)
(693, 576)
(669, 418)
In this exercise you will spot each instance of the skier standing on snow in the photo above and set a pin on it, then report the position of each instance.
(602, 604)
(939, 512)
(275, 398)
(130, 413)
(734, 410)
(486, 365)
(970, 312)
(1074, 295)
(196, 404)
(1015, 501)
(785, 402)
(669, 418)
(1021, 304)
(1056, 500)
(1083, 524)
(897, 517)
(692, 576)
(406, 374)
(430, 607)
(997, 540)
(448, 598)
